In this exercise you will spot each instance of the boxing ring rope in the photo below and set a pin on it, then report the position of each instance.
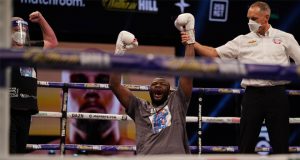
(169, 66)
(98, 116)
(150, 64)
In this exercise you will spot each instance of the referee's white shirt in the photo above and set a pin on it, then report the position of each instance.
(274, 48)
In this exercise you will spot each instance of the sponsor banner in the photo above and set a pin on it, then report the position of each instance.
(62, 3)
(132, 5)
(118, 5)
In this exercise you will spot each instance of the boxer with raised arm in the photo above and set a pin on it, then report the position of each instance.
(161, 123)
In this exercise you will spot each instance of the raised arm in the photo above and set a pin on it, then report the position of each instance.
(49, 37)
(122, 93)
(185, 82)
(199, 49)
(125, 41)
(185, 23)
(205, 50)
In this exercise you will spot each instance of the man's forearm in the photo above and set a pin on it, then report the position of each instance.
(48, 34)
(205, 50)
(114, 80)
(186, 82)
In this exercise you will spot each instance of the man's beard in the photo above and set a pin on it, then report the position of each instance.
(92, 128)
(158, 102)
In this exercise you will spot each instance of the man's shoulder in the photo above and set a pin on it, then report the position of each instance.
(174, 95)
(280, 32)
(142, 102)
(244, 37)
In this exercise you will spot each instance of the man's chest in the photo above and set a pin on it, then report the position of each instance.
(262, 50)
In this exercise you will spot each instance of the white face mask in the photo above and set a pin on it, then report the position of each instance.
(253, 26)
(19, 37)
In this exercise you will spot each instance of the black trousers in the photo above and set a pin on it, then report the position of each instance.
(19, 131)
(265, 103)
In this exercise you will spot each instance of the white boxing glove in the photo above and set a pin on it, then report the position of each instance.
(185, 23)
(126, 40)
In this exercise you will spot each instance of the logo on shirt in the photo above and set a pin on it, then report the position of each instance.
(277, 40)
(13, 92)
(27, 72)
(161, 119)
(252, 42)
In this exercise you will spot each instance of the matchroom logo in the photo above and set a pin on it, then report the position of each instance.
(62, 3)
(131, 5)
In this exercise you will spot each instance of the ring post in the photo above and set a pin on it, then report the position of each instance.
(5, 73)
(200, 123)
(63, 121)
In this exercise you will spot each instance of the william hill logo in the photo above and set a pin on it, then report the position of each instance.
(131, 5)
